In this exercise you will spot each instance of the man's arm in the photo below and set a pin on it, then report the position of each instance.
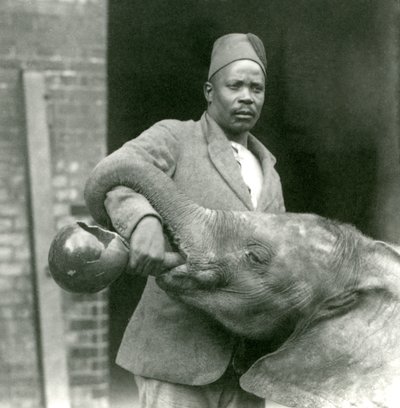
(129, 213)
(135, 219)
(126, 209)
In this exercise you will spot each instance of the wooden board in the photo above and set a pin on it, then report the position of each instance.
(52, 338)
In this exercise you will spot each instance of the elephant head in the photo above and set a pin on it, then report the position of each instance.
(322, 292)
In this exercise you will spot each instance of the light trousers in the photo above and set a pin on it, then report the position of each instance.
(224, 393)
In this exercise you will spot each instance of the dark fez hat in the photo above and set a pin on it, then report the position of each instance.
(234, 47)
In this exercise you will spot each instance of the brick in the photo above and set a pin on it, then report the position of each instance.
(60, 209)
(15, 312)
(24, 388)
(9, 269)
(22, 254)
(83, 297)
(6, 224)
(11, 298)
(17, 180)
(87, 379)
(9, 210)
(73, 167)
(4, 195)
(69, 194)
(60, 181)
(13, 240)
(23, 283)
(83, 352)
(6, 284)
(100, 392)
(20, 223)
(83, 324)
(60, 165)
(6, 253)
(100, 365)
(64, 221)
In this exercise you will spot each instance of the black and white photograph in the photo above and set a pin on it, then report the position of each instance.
(200, 204)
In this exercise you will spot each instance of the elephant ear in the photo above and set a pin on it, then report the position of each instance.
(348, 359)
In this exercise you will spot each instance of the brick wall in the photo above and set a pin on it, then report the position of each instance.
(64, 39)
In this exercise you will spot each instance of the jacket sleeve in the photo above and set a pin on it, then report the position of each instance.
(158, 146)
(126, 209)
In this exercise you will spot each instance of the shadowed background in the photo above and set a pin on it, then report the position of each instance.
(331, 111)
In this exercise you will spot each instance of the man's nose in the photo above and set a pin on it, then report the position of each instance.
(246, 96)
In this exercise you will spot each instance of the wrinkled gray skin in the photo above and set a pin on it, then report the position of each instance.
(328, 293)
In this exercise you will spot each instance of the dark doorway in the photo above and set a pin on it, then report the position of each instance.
(330, 97)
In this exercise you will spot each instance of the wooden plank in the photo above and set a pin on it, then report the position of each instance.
(52, 336)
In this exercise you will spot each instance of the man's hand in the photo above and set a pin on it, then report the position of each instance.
(146, 253)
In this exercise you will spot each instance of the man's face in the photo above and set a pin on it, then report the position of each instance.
(235, 96)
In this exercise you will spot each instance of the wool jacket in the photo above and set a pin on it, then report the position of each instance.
(165, 339)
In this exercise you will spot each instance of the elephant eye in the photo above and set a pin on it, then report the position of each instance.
(259, 254)
(253, 257)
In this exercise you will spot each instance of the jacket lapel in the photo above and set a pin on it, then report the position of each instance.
(221, 155)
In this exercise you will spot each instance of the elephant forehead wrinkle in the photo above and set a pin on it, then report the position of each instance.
(246, 288)
(298, 229)
(301, 293)
(294, 296)
(253, 216)
(210, 255)
(323, 247)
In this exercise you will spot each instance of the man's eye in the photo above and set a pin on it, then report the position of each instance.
(258, 89)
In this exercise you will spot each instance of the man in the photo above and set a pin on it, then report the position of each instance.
(180, 358)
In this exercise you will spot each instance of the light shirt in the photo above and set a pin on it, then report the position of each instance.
(251, 170)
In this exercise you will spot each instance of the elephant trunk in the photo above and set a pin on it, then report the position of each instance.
(178, 212)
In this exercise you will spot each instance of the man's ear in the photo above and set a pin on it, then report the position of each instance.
(346, 360)
(208, 92)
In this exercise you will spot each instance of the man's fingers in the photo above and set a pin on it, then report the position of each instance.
(136, 262)
(144, 265)
(172, 260)
(134, 259)
(146, 252)
(154, 268)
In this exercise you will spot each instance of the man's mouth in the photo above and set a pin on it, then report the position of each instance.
(243, 113)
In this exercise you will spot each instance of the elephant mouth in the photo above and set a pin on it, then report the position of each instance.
(176, 281)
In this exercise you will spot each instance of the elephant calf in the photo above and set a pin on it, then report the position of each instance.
(329, 293)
